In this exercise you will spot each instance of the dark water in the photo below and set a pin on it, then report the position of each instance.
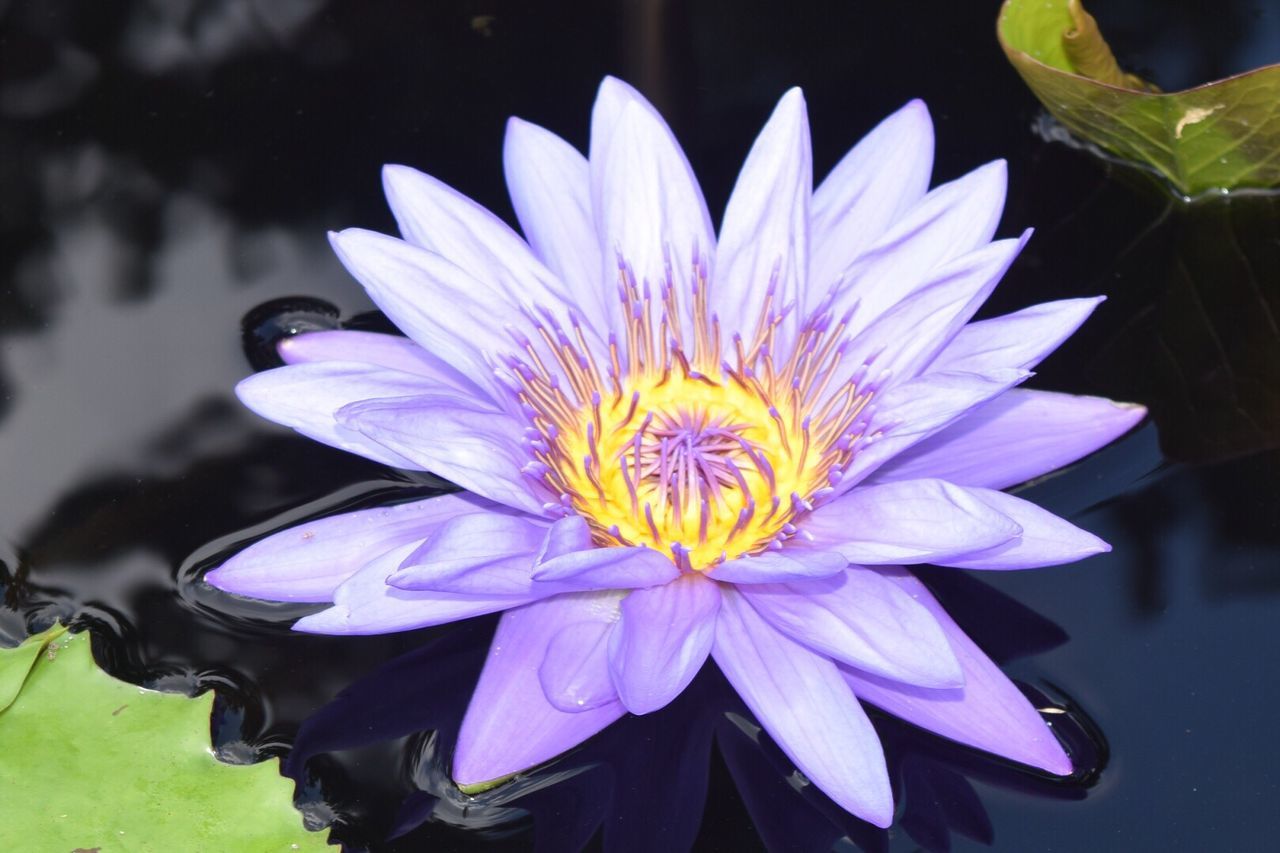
(167, 169)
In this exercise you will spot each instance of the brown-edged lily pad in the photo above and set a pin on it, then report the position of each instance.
(1222, 135)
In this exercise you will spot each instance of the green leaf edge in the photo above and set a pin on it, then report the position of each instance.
(19, 665)
(1030, 32)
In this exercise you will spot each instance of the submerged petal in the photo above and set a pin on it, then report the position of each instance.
(802, 700)
(510, 725)
(1017, 437)
(910, 521)
(989, 712)
(662, 640)
(859, 618)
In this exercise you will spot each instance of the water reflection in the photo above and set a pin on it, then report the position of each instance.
(642, 783)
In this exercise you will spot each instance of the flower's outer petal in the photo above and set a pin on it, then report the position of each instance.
(648, 208)
(365, 604)
(464, 441)
(308, 561)
(662, 640)
(390, 351)
(1021, 339)
(1046, 540)
(1017, 437)
(989, 712)
(568, 534)
(307, 397)
(488, 554)
(910, 412)
(952, 220)
(574, 673)
(764, 241)
(911, 334)
(442, 220)
(871, 187)
(509, 725)
(908, 521)
(789, 564)
(412, 286)
(550, 189)
(608, 568)
(803, 701)
(859, 618)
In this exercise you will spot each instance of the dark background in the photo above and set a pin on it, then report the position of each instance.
(166, 168)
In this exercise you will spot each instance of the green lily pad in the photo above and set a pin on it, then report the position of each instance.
(88, 762)
(1222, 135)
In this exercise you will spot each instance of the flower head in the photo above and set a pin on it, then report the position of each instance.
(679, 443)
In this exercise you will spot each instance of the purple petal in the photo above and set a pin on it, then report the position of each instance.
(488, 554)
(989, 712)
(575, 671)
(568, 534)
(952, 220)
(1046, 540)
(909, 521)
(648, 206)
(912, 411)
(789, 564)
(1021, 339)
(859, 618)
(802, 700)
(910, 334)
(307, 397)
(464, 441)
(608, 568)
(1017, 437)
(390, 351)
(308, 561)
(442, 220)
(365, 604)
(764, 238)
(882, 177)
(662, 640)
(551, 191)
(409, 284)
(509, 725)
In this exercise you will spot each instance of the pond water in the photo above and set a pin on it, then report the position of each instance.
(168, 174)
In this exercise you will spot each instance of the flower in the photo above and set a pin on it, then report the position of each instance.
(677, 443)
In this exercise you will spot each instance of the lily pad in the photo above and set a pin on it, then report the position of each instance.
(1222, 135)
(88, 762)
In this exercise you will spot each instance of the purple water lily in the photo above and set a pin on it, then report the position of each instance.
(677, 443)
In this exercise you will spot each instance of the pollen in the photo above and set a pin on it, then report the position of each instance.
(703, 448)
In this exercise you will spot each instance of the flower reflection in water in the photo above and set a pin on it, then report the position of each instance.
(642, 783)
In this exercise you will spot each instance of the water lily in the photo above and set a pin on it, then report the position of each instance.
(677, 443)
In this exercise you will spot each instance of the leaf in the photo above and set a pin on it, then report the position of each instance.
(89, 762)
(1222, 135)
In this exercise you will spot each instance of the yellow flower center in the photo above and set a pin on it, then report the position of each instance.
(682, 452)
